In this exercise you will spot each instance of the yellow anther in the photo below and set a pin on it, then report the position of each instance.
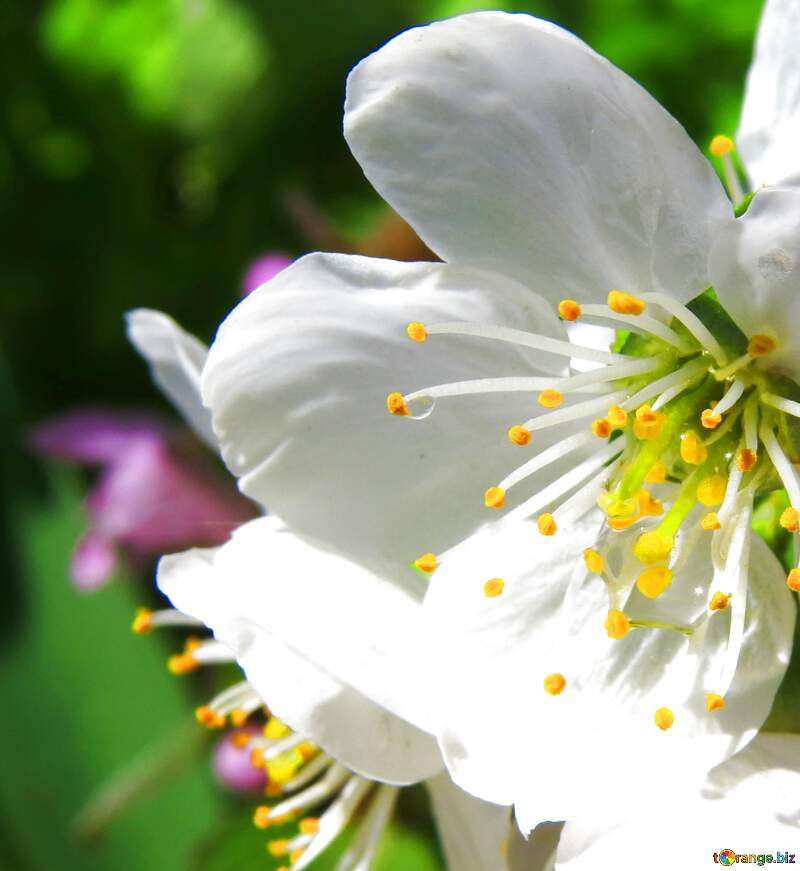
(257, 758)
(494, 497)
(209, 717)
(309, 825)
(281, 769)
(278, 847)
(693, 451)
(261, 817)
(653, 581)
(547, 526)
(493, 587)
(624, 303)
(601, 428)
(614, 507)
(617, 625)
(569, 310)
(719, 602)
(555, 683)
(273, 790)
(649, 507)
(141, 622)
(396, 405)
(653, 547)
(761, 345)
(664, 718)
(648, 423)
(714, 702)
(710, 521)
(793, 580)
(789, 519)
(426, 563)
(182, 663)
(617, 416)
(240, 739)
(745, 460)
(550, 398)
(721, 145)
(416, 332)
(710, 420)
(594, 562)
(518, 435)
(711, 490)
(275, 729)
(239, 717)
(657, 474)
(294, 856)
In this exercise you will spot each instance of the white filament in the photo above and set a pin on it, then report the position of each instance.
(504, 385)
(551, 455)
(682, 376)
(641, 324)
(574, 412)
(730, 398)
(692, 323)
(321, 791)
(359, 857)
(782, 404)
(782, 465)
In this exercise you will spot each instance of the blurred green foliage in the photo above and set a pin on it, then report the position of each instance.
(148, 150)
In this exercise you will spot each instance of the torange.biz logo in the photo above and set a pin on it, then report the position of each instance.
(729, 857)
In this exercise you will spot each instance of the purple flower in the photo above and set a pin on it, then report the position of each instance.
(155, 491)
(262, 269)
(231, 761)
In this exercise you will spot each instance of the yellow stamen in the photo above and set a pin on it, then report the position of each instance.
(617, 416)
(624, 303)
(309, 825)
(711, 522)
(182, 663)
(278, 847)
(653, 581)
(693, 451)
(426, 563)
(396, 405)
(547, 526)
(711, 490)
(710, 420)
(416, 332)
(555, 683)
(261, 817)
(653, 547)
(294, 856)
(550, 398)
(275, 729)
(594, 562)
(789, 519)
(601, 428)
(745, 460)
(141, 622)
(494, 497)
(209, 718)
(569, 310)
(664, 718)
(714, 702)
(518, 435)
(721, 145)
(657, 474)
(493, 587)
(648, 423)
(793, 580)
(239, 717)
(240, 739)
(761, 345)
(617, 625)
(719, 602)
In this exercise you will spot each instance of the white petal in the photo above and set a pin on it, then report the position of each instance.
(506, 740)
(769, 127)
(331, 649)
(755, 269)
(176, 360)
(473, 833)
(751, 803)
(508, 143)
(297, 381)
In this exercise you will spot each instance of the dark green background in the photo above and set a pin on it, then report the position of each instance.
(148, 149)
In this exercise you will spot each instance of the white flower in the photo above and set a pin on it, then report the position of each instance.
(748, 806)
(329, 648)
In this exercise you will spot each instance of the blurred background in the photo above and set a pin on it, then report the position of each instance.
(150, 152)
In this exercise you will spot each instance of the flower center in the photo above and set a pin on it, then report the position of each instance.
(684, 400)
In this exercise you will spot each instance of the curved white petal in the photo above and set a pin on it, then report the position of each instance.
(297, 381)
(769, 127)
(332, 649)
(755, 269)
(507, 740)
(473, 833)
(508, 143)
(750, 805)
(176, 359)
